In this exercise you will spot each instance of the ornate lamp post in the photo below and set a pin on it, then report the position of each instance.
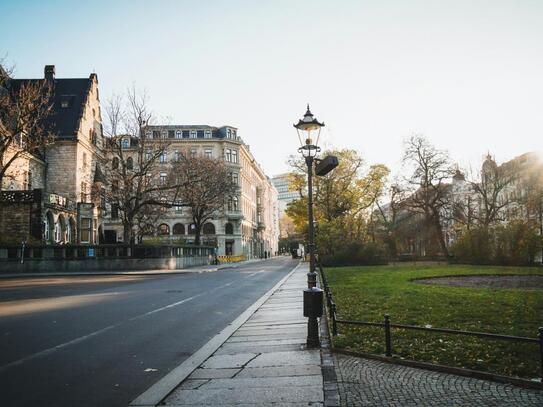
(310, 127)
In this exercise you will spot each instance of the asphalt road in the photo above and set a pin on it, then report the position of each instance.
(102, 340)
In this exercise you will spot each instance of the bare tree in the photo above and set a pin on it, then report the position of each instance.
(133, 170)
(491, 190)
(204, 185)
(430, 193)
(25, 107)
(390, 216)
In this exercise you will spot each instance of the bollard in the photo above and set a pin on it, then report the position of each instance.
(334, 323)
(540, 335)
(388, 340)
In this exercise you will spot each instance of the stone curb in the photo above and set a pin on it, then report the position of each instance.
(197, 269)
(161, 389)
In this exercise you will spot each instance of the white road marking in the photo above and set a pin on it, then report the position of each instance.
(100, 331)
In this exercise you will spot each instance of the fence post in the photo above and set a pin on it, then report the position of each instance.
(334, 323)
(388, 340)
(540, 335)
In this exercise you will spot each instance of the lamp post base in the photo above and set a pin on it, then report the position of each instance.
(313, 340)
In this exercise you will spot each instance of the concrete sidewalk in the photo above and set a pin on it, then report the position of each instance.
(263, 361)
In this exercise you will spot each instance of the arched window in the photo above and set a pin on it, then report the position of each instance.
(129, 163)
(209, 229)
(115, 163)
(229, 229)
(163, 229)
(178, 229)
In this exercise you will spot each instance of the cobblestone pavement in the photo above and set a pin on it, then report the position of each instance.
(366, 382)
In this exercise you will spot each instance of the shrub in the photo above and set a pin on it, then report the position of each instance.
(513, 244)
(357, 254)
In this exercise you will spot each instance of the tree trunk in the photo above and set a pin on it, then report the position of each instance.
(127, 232)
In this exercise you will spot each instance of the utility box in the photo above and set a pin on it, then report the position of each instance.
(313, 302)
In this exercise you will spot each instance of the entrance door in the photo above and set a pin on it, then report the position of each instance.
(229, 248)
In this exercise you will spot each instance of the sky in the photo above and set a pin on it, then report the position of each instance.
(468, 75)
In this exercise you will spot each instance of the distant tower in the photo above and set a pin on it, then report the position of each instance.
(489, 168)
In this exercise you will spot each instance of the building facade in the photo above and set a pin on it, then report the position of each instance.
(55, 192)
(247, 226)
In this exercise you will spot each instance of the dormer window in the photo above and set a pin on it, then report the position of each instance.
(229, 133)
(178, 134)
(208, 134)
(66, 101)
(125, 143)
(193, 134)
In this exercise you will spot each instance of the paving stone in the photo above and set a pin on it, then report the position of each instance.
(261, 382)
(269, 337)
(277, 371)
(308, 357)
(228, 361)
(365, 382)
(257, 348)
(192, 384)
(213, 373)
(216, 397)
(265, 342)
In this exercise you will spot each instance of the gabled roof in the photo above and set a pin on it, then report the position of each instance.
(64, 121)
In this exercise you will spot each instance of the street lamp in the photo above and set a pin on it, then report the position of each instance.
(309, 127)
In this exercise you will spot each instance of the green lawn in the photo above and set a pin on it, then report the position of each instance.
(367, 293)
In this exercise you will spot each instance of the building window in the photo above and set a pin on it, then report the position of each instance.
(193, 134)
(125, 143)
(114, 211)
(148, 155)
(156, 134)
(200, 133)
(171, 133)
(208, 134)
(162, 157)
(57, 232)
(178, 229)
(176, 155)
(234, 156)
(149, 135)
(129, 163)
(84, 192)
(163, 229)
(229, 133)
(85, 230)
(186, 134)
(235, 179)
(208, 153)
(229, 229)
(114, 162)
(163, 177)
(228, 155)
(193, 152)
(178, 134)
(208, 229)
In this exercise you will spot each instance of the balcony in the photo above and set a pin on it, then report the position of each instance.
(233, 214)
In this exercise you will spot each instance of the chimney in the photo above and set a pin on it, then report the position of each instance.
(49, 72)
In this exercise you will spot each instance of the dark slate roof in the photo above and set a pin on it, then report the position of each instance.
(64, 122)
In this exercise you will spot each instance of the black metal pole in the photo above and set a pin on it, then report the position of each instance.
(312, 275)
(388, 340)
(313, 340)
(540, 335)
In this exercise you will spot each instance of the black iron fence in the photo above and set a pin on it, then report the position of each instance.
(388, 326)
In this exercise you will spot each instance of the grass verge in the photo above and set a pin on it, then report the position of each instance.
(367, 293)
